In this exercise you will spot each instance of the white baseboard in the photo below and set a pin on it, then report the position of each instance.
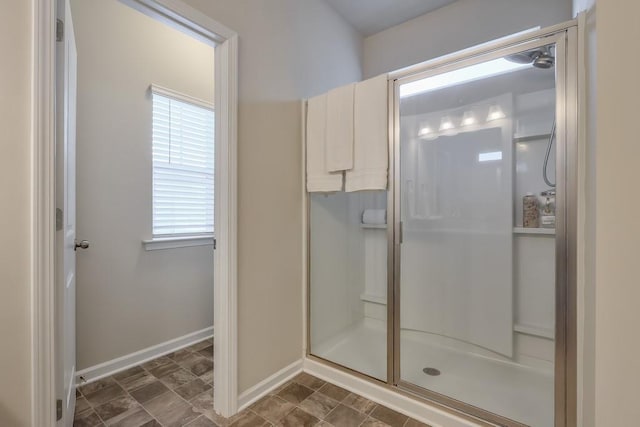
(251, 395)
(110, 367)
(384, 396)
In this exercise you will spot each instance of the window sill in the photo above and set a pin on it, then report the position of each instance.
(159, 243)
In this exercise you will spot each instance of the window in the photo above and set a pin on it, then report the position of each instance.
(183, 165)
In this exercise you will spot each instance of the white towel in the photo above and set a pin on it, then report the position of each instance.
(340, 129)
(371, 136)
(374, 216)
(318, 179)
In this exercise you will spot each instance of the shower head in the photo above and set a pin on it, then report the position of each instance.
(522, 57)
(544, 60)
(539, 58)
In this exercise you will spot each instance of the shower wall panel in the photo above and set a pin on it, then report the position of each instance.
(456, 274)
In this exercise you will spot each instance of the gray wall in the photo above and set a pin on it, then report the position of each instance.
(454, 27)
(15, 185)
(128, 298)
(289, 50)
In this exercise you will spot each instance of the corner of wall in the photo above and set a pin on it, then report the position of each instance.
(587, 235)
(16, 48)
(355, 35)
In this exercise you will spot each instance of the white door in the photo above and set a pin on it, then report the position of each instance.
(66, 67)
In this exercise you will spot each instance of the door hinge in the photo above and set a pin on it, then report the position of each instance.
(214, 243)
(58, 409)
(59, 30)
(59, 219)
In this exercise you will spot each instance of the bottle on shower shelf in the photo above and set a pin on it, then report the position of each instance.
(530, 211)
(548, 209)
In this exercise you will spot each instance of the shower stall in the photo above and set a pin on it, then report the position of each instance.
(457, 284)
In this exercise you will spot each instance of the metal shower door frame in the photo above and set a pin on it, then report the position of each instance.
(564, 36)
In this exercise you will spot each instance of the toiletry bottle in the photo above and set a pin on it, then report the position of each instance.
(530, 212)
(548, 209)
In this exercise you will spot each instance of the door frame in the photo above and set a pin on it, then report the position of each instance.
(43, 201)
(564, 36)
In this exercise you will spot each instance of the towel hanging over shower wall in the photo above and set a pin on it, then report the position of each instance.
(371, 130)
(318, 177)
(347, 135)
(340, 129)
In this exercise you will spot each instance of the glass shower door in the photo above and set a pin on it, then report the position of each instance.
(476, 254)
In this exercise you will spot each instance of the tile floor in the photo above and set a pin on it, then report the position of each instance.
(177, 390)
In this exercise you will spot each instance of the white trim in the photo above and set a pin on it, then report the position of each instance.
(305, 230)
(158, 243)
(43, 314)
(105, 369)
(170, 93)
(225, 292)
(43, 309)
(386, 396)
(176, 13)
(261, 389)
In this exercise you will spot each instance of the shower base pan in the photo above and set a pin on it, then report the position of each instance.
(522, 393)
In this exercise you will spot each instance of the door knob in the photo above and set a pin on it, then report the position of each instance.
(84, 244)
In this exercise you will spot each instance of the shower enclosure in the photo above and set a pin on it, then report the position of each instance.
(464, 294)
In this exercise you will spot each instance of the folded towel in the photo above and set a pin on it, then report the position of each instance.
(374, 216)
(318, 179)
(340, 129)
(371, 136)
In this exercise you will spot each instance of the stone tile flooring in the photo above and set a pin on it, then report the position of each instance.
(177, 390)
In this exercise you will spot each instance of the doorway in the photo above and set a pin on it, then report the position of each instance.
(145, 194)
(51, 368)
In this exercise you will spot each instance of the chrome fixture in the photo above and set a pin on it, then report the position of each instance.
(83, 244)
(539, 58)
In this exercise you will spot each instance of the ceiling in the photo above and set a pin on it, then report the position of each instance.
(372, 16)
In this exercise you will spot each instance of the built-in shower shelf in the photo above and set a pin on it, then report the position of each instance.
(541, 231)
(532, 137)
(379, 226)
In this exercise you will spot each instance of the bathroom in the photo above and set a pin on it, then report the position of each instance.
(448, 294)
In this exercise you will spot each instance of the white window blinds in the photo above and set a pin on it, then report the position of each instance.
(183, 167)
